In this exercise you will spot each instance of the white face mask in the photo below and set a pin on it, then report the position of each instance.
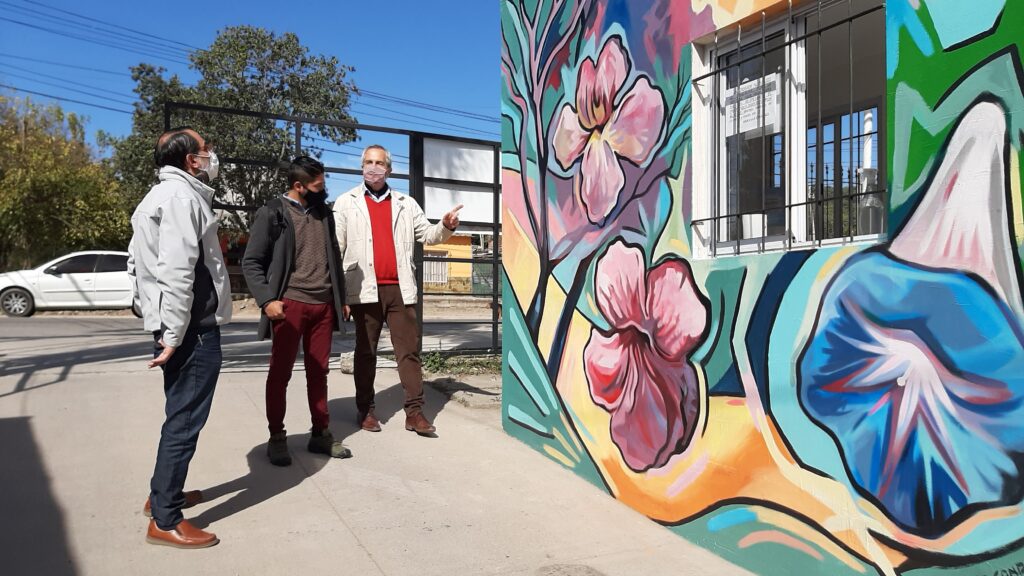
(212, 167)
(374, 175)
(207, 173)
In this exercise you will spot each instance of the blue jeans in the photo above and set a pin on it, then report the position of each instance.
(190, 377)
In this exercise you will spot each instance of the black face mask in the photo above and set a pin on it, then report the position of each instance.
(316, 198)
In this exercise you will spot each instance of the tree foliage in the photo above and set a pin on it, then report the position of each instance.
(245, 68)
(54, 197)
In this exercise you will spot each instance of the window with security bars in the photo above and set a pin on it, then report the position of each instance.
(793, 130)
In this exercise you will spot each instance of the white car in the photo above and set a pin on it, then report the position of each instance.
(93, 280)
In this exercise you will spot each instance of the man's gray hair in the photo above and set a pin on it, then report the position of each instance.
(387, 155)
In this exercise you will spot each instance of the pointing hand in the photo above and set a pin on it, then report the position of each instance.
(451, 219)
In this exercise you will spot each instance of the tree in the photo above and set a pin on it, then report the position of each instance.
(54, 197)
(251, 69)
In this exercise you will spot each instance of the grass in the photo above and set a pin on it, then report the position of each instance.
(438, 363)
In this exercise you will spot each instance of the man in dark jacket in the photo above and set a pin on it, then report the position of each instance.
(292, 265)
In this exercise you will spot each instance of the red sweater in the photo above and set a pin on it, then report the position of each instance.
(385, 263)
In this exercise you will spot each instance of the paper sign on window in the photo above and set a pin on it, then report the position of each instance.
(752, 115)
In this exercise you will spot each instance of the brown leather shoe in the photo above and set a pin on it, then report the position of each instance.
(184, 535)
(419, 424)
(369, 422)
(192, 497)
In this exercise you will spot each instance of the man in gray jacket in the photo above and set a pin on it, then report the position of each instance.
(181, 285)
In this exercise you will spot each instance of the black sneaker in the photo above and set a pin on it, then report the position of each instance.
(277, 449)
(322, 442)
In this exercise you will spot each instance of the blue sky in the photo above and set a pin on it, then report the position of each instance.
(441, 52)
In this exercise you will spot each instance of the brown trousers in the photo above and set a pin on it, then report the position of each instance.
(405, 337)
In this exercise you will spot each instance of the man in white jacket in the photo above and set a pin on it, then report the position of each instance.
(181, 285)
(376, 230)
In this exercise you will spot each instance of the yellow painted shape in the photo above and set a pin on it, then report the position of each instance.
(519, 258)
(728, 461)
(1015, 197)
(553, 304)
(558, 456)
(728, 12)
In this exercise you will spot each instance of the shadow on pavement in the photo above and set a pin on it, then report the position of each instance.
(263, 482)
(448, 385)
(241, 352)
(33, 536)
(388, 406)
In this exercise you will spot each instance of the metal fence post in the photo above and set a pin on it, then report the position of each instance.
(495, 253)
(417, 191)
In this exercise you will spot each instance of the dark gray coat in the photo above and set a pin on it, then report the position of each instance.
(270, 259)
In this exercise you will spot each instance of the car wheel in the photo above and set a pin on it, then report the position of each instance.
(136, 311)
(17, 302)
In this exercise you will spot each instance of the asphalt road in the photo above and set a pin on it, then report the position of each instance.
(98, 339)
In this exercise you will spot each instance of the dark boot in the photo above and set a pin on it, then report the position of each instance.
(322, 442)
(277, 449)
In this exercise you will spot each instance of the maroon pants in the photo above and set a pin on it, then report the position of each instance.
(313, 325)
(405, 337)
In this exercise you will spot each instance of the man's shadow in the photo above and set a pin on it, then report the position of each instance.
(263, 482)
(389, 407)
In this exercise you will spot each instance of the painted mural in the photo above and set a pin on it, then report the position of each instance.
(846, 410)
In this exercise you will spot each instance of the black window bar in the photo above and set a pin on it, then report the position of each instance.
(840, 206)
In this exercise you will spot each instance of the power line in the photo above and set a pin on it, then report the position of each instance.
(175, 54)
(91, 40)
(427, 106)
(415, 116)
(421, 123)
(75, 25)
(432, 122)
(189, 46)
(151, 52)
(55, 85)
(52, 63)
(62, 99)
(59, 79)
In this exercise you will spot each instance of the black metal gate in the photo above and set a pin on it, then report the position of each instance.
(483, 281)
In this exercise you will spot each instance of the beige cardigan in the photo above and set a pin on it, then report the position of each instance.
(352, 223)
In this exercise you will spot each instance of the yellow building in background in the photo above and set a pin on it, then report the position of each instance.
(449, 276)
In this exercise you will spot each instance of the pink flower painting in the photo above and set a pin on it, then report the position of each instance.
(638, 369)
(610, 122)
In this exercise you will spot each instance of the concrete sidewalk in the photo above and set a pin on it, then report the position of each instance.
(78, 438)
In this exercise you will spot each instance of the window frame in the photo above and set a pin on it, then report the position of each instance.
(709, 223)
(720, 190)
(56, 268)
(104, 258)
